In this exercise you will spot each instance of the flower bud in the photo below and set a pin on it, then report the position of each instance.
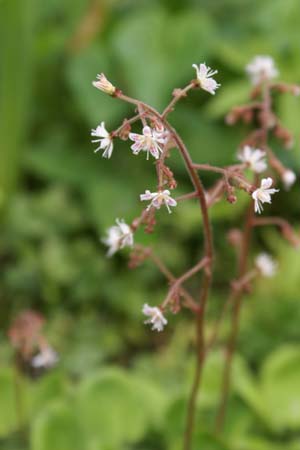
(104, 85)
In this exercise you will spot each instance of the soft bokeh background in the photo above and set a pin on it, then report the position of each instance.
(119, 386)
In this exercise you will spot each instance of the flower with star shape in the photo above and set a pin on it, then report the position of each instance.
(105, 140)
(254, 158)
(118, 237)
(157, 199)
(204, 78)
(151, 141)
(261, 68)
(263, 194)
(156, 317)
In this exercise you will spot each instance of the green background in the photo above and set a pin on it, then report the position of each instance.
(119, 386)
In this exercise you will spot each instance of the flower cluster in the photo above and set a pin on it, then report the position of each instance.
(157, 138)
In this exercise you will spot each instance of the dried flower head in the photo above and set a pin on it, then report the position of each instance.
(266, 265)
(263, 194)
(254, 158)
(105, 139)
(204, 78)
(25, 331)
(118, 237)
(104, 85)
(261, 68)
(158, 199)
(150, 141)
(156, 317)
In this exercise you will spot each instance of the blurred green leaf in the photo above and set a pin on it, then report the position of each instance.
(280, 387)
(110, 404)
(57, 427)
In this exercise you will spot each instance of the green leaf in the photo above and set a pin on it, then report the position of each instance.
(57, 427)
(13, 401)
(16, 42)
(49, 387)
(280, 387)
(116, 408)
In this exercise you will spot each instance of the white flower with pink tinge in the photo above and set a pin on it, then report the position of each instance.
(158, 199)
(261, 68)
(46, 359)
(150, 141)
(104, 85)
(204, 77)
(118, 237)
(254, 158)
(105, 139)
(288, 178)
(266, 265)
(156, 317)
(263, 194)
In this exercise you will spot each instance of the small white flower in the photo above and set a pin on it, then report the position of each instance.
(104, 85)
(263, 194)
(288, 178)
(254, 158)
(156, 317)
(261, 68)
(149, 141)
(159, 198)
(204, 77)
(266, 265)
(47, 358)
(105, 139)
(118, 237)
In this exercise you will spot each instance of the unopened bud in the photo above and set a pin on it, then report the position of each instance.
(104, 85)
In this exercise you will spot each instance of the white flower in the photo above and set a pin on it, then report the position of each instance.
(105, 139)
(263, 194)
(45, 359)
(156, 317)
(104, 85)
(118, 237)
(159, 198)
(288, 178)
(254, 158)
(204, 77)
(261, 68)
(266, 265)
(149, 141)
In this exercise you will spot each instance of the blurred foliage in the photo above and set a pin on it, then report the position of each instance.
(117, 385)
